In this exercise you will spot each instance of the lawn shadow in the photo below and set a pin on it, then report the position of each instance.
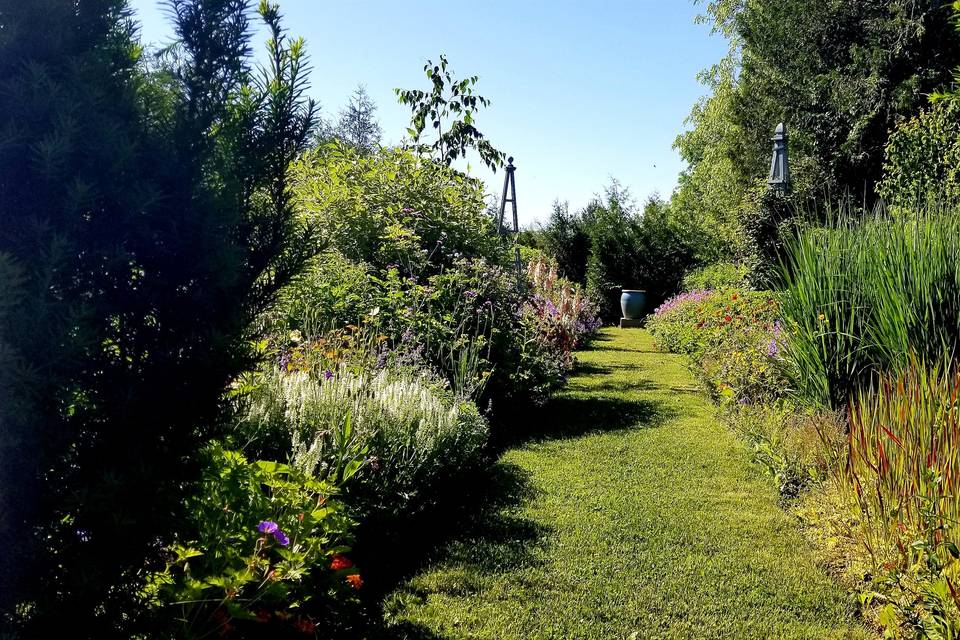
(622, 386)
(478, 530)
(591, 368)
(570, 416)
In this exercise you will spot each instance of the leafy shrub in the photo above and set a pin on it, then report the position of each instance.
(264, 551)
(720, 275)
(923, 156)
(395, 207)
(414, 432)
(145, 209)
(860, 297)
(330, 293)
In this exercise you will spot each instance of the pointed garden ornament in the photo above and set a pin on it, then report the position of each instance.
(510, 187)
(779, 165)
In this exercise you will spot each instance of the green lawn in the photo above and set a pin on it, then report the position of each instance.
(639, 514)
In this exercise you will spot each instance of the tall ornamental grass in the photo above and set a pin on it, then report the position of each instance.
(861, 296)
(903, 456)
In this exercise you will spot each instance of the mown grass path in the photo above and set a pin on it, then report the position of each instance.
(638, 513)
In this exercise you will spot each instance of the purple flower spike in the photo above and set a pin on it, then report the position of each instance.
(281, 538)
(267, 526)
(327, 374)
(772, 348)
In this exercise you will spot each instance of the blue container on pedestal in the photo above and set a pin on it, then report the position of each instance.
(633, 303)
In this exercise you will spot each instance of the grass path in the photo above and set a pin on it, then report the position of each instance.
(639, 514)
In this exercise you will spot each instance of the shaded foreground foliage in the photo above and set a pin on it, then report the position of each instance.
(147, 220)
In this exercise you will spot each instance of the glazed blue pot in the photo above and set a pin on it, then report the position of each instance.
(632, 303)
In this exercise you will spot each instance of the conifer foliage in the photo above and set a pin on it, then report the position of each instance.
(146, 219)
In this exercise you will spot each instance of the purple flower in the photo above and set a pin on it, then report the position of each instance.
(691, 296)
(470, 294)
(407, 210)
(772, 348)
(327, 374)
(281, 538)
(267, 526)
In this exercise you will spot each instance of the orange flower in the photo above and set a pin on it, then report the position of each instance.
(340, 561)
(355, 580)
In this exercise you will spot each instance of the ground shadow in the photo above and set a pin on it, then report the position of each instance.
(589, 368)
(571, 416)
(624, 386)
(476, 526)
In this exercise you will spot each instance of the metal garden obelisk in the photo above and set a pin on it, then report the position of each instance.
(510, 185)
(779, 179)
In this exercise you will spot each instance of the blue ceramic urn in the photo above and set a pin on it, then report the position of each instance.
(632, 303)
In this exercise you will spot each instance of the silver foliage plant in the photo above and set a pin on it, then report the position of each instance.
(404, 426)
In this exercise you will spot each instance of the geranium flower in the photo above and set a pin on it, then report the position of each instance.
(267, 526)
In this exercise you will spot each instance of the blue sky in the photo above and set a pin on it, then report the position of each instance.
(582, 91)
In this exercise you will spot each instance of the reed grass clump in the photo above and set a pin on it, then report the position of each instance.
(862, 295)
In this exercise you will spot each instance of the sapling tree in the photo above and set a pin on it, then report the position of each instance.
(446, 113)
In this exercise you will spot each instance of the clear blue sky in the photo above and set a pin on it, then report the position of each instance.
(582, 91)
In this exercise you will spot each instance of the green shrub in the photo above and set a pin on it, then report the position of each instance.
(146, 213)
(396, 207)
(721, 275)
(923, 157)
(861, 297)
(330, 293)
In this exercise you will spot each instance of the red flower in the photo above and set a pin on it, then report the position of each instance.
(340, 561)
(355, 580)
(734, 297)
(305, 626)
(727, 318)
